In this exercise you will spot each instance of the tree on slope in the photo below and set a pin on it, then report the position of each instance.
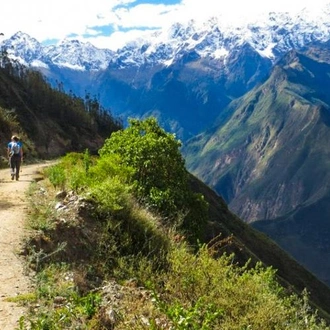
(160, 176)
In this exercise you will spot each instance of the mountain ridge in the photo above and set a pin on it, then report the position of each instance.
(224, 61)
(271, 36)
(268, 158)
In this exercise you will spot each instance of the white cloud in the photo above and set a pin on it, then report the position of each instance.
(48, 20)
(145, 15)
(233, 8)
(116, 39)
(56, 19)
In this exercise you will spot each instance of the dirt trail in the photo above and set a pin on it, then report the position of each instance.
(13, 207)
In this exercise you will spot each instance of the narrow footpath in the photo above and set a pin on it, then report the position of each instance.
(13, 278)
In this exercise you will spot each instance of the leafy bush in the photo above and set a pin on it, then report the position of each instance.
(160, 177)
(56, 175)
(155, 157)
(111, 194)
(109, 166)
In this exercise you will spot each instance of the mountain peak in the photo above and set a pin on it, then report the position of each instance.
(271, 35)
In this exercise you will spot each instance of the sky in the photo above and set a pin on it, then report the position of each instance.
(111, 23)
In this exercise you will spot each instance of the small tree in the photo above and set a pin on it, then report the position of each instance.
(161, 178)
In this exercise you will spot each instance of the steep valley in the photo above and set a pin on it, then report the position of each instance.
(270, 159)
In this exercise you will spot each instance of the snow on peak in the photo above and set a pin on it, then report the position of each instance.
(270, 35)
(72, 54)
(77, 55)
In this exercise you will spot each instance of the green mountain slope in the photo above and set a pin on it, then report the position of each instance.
(248, 243)
(270, 156)
(304, 233)
(49, 121)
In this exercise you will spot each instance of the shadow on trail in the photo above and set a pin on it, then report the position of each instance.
(4, 205)
(20, 180)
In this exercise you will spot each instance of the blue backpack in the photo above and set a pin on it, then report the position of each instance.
(15, 148)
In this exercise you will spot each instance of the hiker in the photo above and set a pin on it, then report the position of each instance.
(15, 155)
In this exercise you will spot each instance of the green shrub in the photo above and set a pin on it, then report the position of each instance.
(60, 306)
(158, 165)
(200, 292)
(56, 175)
(110, 194)
(109, 166)
(160, 177)
(77, 180)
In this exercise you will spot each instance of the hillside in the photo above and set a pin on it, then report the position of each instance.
(104, 248)
(49, 121)
(251, 243)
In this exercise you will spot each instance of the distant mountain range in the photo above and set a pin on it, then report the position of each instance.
(251, 104)
(184, 75)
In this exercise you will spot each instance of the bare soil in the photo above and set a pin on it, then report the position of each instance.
(13, 278)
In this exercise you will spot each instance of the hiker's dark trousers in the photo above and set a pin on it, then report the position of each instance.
(15, 165)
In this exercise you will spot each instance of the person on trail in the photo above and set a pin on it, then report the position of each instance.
(15, 155)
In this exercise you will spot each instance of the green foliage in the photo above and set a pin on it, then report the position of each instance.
(41, 212)
(159, 166)
(111, 194)
(160, 177)
(56, 175)
(110, 166)
(9, 118)
(200, 316)
(128, 237)
(87, 160)
(190, 290)
(71, 172)
(201, 292)
(77, 179)
(65, 308)
(197, 215)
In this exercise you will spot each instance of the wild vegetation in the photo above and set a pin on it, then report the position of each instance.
(116, 245)
(123, 243)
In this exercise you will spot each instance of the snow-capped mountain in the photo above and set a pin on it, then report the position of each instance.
(271, 36)
(78, 56)
(68, 53)
(206, 63)
(23, 48)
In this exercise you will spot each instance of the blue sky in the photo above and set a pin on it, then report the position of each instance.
(111, 23)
